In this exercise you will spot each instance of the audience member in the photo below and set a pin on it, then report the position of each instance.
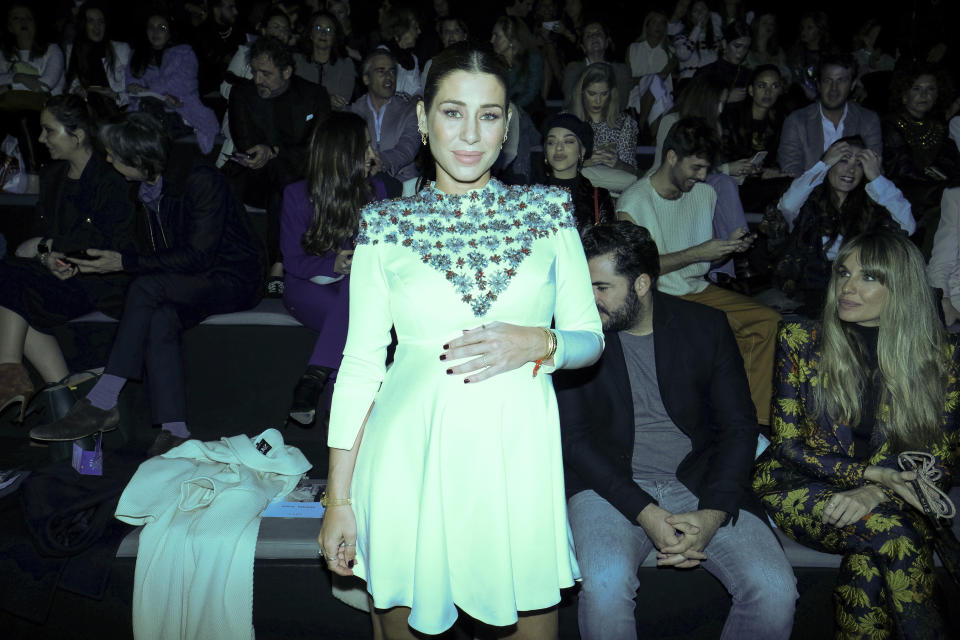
(320, 223)
(27, 61)
(400, 31)
(813, 42)
(31, 69)
(512, 41)
(943, 272)
(735, 11)
(274, 24)
(326, 61)
(353, 42)
(202, 261)
(162, 80)
(550, 38)
(753, 127)
(96, 64)
(765, 46)
(652, 52)
(704, 97)
(869, 48)
(82, 203)
(270, 123)
(670, 470)
(568, 141)
(696, 33)
(918, 154)
(730, 68)
(391, 117)
(595, 99)
(595, 43)
(678, 209)
(809, 132)
(875, 380)
(215, 40)
(451, 30)
(825, 206)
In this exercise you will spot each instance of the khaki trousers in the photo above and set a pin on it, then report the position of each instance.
(755, 329)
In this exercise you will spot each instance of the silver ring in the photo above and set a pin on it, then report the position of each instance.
(347, 544)
(320, 552)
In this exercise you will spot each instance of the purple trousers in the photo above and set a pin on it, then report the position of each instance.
(324, 308)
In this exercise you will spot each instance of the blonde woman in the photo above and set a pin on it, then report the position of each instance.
(596, 100)
(877, 377)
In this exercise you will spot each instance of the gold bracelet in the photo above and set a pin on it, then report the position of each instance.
(551, 350)
(326, 501)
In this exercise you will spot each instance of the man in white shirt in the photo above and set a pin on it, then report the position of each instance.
(809, 132)
(677, 208)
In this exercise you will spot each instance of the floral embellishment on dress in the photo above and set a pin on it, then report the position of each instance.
(476, 240)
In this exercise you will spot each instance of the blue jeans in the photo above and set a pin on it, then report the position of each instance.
(746, 558)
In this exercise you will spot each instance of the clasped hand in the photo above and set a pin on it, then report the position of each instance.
(104, 261)
(680, 538)
(499, 347)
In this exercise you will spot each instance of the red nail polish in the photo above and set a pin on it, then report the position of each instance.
(446, 346)
(449, 371)
(351, 563)
(466, 381)
(443, 356)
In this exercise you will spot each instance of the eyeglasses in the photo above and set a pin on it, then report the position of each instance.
(322, 29)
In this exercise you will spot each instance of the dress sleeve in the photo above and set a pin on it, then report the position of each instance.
(797, 440)
(627, 141)
(578, 328)
(944, 268)
(178, 72)
(368, 337)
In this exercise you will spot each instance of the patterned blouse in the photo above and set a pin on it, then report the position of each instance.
(808, 448)
(623, 136)
(477, 240)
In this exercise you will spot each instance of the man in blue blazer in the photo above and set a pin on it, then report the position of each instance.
(659, 438)
(808, 132)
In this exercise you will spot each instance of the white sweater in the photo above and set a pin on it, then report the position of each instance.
(674, 225)
(201, 504)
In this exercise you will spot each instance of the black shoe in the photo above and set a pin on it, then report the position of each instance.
(81, 421)
(164, 442)
(306, 395)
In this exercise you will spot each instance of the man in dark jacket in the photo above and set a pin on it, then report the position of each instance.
(271, 120)
(201, 261)
(659, 439)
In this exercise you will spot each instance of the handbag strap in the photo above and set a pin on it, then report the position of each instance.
(935, 503)
(596, 204)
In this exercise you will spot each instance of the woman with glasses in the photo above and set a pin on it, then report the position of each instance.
(325, 60)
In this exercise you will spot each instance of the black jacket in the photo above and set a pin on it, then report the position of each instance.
(285, 121)
(704, 389)
(198, 227)
(99, 217)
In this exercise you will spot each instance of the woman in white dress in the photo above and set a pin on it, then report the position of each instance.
(445, 485)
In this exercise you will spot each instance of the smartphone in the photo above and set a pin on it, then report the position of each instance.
(551, 25)
(80, 254)
(759, 158)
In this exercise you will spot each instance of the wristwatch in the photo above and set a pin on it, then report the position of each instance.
(43, 251)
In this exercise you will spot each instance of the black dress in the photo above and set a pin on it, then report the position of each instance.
(92, 212)
(591, 205)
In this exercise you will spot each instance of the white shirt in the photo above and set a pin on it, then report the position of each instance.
(832, 133)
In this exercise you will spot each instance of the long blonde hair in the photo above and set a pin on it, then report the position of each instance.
(911, 347)
(597, 72)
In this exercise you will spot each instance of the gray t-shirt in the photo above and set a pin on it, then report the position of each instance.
(659, 445)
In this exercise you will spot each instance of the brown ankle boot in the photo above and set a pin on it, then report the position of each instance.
(15, 387)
